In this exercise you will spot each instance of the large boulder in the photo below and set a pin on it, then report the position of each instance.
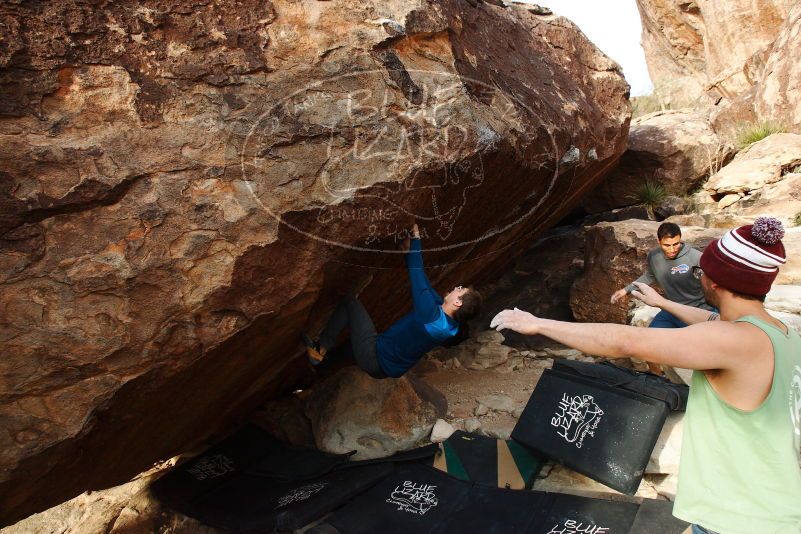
(352, 412)
(778, 94)
(615, 256)
(676, 149)
(672, 38)
(790, 272)
(763, 179)
(712, 46)
(186, 187)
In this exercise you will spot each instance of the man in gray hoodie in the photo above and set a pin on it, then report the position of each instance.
(670, 265)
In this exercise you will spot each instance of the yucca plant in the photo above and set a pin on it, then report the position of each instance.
(751, 133)
(650, 194)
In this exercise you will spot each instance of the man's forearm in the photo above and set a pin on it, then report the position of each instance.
(688, 314)
(599, 339)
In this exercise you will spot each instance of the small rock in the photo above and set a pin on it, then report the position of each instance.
(442, 430)
(643, 315)
(516, 363)
(728, 200)
(670, 206)
(517, 413)
(481, 409)
(472, 425)
(490, 336)
(498, 403)
(570, 354)
(487, 356)
(540, 10)
(393, 28)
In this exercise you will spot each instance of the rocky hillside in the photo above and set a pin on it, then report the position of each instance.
(187, 187)
(738, 56)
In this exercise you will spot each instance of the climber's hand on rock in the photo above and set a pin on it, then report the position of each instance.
(647, 295)
(517, 321)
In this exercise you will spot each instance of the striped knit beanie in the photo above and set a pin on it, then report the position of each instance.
(747, 259)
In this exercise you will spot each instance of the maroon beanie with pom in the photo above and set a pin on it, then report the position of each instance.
(747, 259)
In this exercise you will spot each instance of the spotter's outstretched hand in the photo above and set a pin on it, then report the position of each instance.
(517, 321)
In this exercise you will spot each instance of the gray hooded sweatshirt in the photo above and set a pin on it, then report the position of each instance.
(675, 276)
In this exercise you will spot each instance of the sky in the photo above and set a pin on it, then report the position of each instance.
(614, 27)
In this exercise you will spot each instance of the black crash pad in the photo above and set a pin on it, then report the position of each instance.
(656, 517)
(601, 431)
(250, 503)
(645, 383)
(418, 499)
(252, 481)
(249, 450)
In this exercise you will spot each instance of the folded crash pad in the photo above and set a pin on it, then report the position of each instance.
(644, 383)
(604, 432)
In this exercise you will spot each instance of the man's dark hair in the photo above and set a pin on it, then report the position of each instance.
(760, 298)
(667, 229)
(471, 306)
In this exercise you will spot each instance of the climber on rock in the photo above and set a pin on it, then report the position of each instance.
(433, 321)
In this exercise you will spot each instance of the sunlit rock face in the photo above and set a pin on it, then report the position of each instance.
(777, 97)
(187, 187)
(712, 46)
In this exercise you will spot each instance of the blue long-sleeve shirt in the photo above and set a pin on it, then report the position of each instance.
(427, 326)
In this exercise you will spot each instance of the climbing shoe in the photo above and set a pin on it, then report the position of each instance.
(312, 350)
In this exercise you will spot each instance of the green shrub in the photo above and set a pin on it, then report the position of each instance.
(650, 194)
(797, 219)
(751, 133)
